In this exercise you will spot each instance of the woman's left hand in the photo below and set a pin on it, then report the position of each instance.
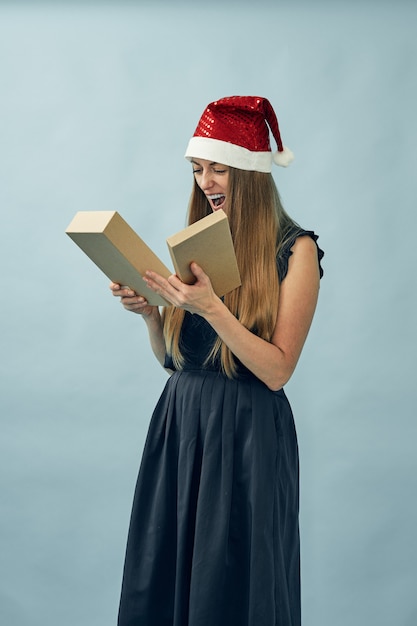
(197, 298)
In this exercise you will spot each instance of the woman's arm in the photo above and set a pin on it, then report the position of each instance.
(275, 362)
(137, 304)
(272, 362)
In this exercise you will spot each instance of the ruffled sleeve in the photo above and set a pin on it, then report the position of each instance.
(285, 253)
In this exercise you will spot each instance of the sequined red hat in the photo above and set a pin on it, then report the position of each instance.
(234, 131)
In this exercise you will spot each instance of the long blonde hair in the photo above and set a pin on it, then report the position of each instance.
(259, 227)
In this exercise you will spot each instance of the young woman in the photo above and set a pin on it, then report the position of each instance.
(214, 537)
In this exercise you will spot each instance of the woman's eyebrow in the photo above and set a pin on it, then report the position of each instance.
(197, 163)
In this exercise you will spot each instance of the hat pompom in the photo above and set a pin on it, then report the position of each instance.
(283, 158)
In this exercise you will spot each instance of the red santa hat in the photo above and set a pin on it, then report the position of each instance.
(234, 131)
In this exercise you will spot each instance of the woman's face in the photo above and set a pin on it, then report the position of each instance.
(213, 180)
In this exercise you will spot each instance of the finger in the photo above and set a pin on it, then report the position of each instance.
(122, 291)
(157, 283)
(155, 278)
(134, 301)
(199, 273)
(162, 288)
(197, 270)
(174, 281)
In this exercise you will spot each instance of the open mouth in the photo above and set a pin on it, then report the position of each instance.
(217, 200)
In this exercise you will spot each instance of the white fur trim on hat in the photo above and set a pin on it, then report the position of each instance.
(228, 154)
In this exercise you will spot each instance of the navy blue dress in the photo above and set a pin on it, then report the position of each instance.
(214, 538)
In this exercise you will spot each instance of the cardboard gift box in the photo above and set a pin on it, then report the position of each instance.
(124, 257)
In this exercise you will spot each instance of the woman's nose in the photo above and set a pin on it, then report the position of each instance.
(206, 180)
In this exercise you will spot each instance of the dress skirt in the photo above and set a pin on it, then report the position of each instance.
(213, 538)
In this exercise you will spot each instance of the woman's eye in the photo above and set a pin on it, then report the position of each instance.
(220, 171)
(196, 171)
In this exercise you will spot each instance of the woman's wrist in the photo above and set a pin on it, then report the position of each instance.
(216, 311)
(154, 318)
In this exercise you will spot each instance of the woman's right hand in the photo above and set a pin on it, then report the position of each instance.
(132, 301)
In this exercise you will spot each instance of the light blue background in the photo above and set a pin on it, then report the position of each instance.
(97, 103)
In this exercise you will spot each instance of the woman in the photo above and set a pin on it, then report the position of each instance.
(214, 539)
